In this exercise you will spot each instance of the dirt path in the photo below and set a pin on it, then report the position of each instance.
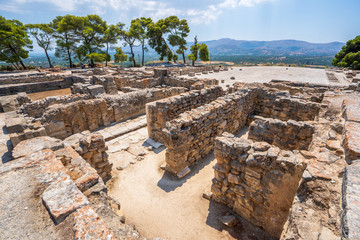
(52, 93)
(162, 206)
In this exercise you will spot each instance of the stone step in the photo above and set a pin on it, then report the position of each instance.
(114, 131)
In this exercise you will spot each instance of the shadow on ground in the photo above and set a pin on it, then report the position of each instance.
(7, 156)
(242, 230)
(169, 182)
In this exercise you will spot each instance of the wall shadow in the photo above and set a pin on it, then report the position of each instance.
(7, 156)
(242, 230)
(169, 182)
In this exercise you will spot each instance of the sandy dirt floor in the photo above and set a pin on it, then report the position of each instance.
(161, 205)
(42, 95)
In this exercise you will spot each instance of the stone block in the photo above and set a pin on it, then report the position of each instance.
(350, 220)
(88, 225)
(36, 144)
(62, 198)
(352, 140)
(95, 90)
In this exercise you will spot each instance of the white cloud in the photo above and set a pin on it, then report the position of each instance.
(229, 4)
(128, 9)
(245, 3)
(203, 16)
(251, 3)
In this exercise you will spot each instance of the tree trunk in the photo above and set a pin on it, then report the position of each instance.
(48, 58)
(143, 52)
(193, 63)
(107, 53)
(183, 53)
(14, 52)
(133, 56)
(69, 54)
(16, 67)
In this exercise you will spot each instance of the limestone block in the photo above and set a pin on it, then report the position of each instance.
(95, 90)
(88, 225)
(62, 198)
(36, 144)
(352, 140)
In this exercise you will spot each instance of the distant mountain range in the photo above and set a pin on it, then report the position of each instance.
(227, 46)
(231, 47)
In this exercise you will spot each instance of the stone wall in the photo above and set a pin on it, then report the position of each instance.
(71, 191)
(34, 87)
(351, 141)
(258, 181)
(191, 136)
(274, 104)
(107, 82)
(350, 220)
(159, 112)
(29, 78)
(62, 117)
(288, 135)
(36, 109)
(92, 148)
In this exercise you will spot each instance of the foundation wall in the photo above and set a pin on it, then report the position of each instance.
(29, 78)
(256, 180)
(35, 87)
(191, 136)
(66, 118)
(281, 106)
(159, 112)
(288, 135)
(351, 141)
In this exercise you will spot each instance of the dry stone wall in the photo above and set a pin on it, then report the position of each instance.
(274, 104)
(92, 148)
(258, 181)
(351, 141)
(191, 136)
(159, 112)
(288, 135)
(62, 117)
(29, 78)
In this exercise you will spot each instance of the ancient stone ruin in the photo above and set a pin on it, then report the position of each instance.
(284, 156)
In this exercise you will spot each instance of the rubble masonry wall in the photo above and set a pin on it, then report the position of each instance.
(289, 135)
(281, 106)
(258, 181)
(161, 111)
(191, 135)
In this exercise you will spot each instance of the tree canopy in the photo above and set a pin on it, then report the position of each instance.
(90, 39)
(349, 55)
(43, 34)
(14, 42)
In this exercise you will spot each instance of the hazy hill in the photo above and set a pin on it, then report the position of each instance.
(227, 46)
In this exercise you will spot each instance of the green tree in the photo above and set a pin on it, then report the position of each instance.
(198, 51)
(194, 52)
(141, 26)
(43, 34)
(156, 38)
(349, 55)
(204, 52)
(130, 36)
(14, 42)
(65, 28)
(177, 31)
(97, 57)
(119, 55)
(111, 36)
(91, 33)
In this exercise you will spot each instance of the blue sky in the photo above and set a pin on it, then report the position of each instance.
(308, 20)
